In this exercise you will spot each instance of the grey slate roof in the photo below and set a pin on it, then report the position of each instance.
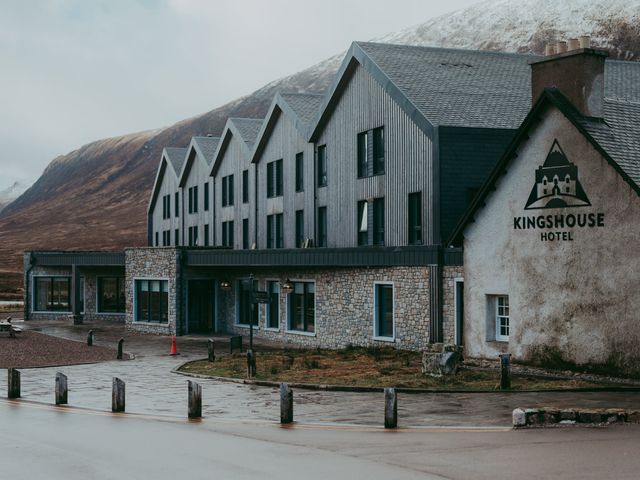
(305, 105)
(248, 129)
(177, 157)
(208, 146)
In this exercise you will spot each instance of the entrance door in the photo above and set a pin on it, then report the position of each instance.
(200, 306)
(459, 312)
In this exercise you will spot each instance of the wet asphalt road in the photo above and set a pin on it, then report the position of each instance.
(45, 442)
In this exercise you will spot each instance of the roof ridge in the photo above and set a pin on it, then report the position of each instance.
(450, 49)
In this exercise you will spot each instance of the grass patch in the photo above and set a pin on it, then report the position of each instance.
(364, 367)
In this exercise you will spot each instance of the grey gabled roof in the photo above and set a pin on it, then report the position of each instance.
(207, 146)
(173, 158)
(302, 110)
(245, 129)
(176, 157)
(203, 148)
(248, 129)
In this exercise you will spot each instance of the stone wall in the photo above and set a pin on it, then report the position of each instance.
(344, 308)
(449, 276)
(150, 263)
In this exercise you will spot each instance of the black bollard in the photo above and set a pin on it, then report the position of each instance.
(286, 404)
(505, 371)
(390, 408)
(120, 347)
(13, 384)
(117, 395)
(251, 364)
(210, 351)
(90, 338)
(195, 400)
(61, 389)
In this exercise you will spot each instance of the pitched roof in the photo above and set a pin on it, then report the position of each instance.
(248, 129)
(608, 136)
(245, 129)
(172, 157)
(176, 156)
(301, 108)
(203, 148)
(208, 147)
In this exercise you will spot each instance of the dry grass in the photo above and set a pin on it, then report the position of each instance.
(363, 367)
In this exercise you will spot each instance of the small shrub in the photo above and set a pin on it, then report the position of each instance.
(311, 363)
(274, 370)
(287, 361)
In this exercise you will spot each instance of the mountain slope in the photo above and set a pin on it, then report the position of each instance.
(96, 197)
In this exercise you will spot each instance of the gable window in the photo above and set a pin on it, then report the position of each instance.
(502, 318)
(299, 172)
(299, 228)
(227, 234)
(206, 197)
(245, 186)
(274, 179)
(378, 221)
(245, 233)
(273, 307)
(111, 295)
(371, 152)
(322, 166)
(384, 325)
(363, 154)
(152, 301)
(193, 199)
(177, 205)
(166, 207)
(370, 225)
(415, 218)
(378, 151)
(322, 227)
(275, 231)
(302, 307)
(363, 222)
(246, 314)
(52, 294)
(227, 191)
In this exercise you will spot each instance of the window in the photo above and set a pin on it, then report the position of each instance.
(166, 207)
(275, 237)
(193, 199)
(378, 221)
(274, 179)
(299, 172)
(206, 235)
(273, 307)
(415, 218)
(193, 236)
(378, 151)
(52, 294)
(322, 166)
(322, 227)
(245, 233)
(502, 318)
(245, 303)
(245, 186)
(302, 307)
(206, 197)
(299, 229)
(227, 234)
(176, 237)
(363, 154)
(363, 222)
(177, 205)
(157, 240)
(227, 191)
(384, 310)
(152, 301)
(166, 238)
(111, 295)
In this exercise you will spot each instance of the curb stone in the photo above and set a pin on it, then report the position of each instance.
(526, 417)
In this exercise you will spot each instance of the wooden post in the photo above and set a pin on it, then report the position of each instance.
(117, 395)
(505, 371)
(210, 350)
(90, 338)
(120, 347)
(61, 389)
(251, 364)
(286, 404)
(195, 400)
(390, 408)
(13, 386)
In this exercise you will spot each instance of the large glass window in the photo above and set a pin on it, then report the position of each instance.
(299, 172)
(322, 166)
(415, 218)
(52, 294)
(384, 310)
(273, 307)
(152, 301)
(111, 295)
(244, 303)
(302, 307)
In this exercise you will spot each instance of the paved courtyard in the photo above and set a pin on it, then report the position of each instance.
(151, 388)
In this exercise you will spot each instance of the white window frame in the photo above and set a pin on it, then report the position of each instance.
(376, 320)
(500, 317)
(315, 310)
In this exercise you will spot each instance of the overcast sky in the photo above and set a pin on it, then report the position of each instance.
(73, 71)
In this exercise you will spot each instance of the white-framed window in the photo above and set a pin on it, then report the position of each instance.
(384, 320)
(502, 318)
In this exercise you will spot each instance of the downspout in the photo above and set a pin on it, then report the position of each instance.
(314, 167)
(255, 204)
(32, 263)
(180, 304)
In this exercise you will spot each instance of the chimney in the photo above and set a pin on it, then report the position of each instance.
(577, 70)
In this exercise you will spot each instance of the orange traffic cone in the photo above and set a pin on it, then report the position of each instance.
(174, 347)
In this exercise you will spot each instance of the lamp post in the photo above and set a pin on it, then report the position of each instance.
(252, 299)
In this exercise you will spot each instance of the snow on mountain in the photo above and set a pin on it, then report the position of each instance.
(12, 192)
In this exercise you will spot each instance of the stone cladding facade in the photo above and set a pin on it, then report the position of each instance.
(449, 276)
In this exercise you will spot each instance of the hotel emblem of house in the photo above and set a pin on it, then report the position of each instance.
(404, 206)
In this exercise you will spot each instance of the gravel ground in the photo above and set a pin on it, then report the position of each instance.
(33, 349)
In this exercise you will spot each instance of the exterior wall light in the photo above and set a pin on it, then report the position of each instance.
(287, 287)
(225, 285)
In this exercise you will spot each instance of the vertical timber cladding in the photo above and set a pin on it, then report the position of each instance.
(197, 176)
(168, 186)
(344, 307)
(365, 105)
(573, 294)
